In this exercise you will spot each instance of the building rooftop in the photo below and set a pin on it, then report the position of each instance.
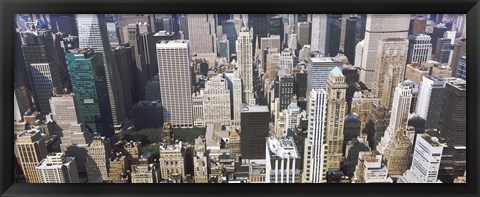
(283, 148)
(172, 42)
(458, 83)
(254, 108)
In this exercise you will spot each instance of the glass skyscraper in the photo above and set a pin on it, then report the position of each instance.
(90, 88)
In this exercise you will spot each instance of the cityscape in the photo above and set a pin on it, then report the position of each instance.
(240, 98)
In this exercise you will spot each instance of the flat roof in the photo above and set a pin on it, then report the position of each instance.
(254, 108)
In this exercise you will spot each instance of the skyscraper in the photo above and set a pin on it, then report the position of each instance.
(92, 33)
(319, 33)
(427, 156)
(336, 112)
(56, 168)
(391, 52)
(201, 33)
(30, 150)
(275, 27)
(314, 170)
(379, 27)
(419, 48)
(398, 119)
(44, 76)
(254, 131)
(318, 71)
(245, 64)
(41, 66)
(86, 70)
(285, 88)
(175, 82)
(452, 127)
(429, 100)
(303, 33)
(350, 43)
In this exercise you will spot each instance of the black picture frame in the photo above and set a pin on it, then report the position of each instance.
(10, 7)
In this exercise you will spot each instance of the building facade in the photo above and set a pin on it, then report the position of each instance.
(174, 72)
(314, 170)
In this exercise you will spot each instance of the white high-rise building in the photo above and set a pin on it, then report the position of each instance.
(245, 64)
(426, 161)
(235, 86)
(359, 53)
(399, 115)
(216, 101)
(420, 48)
(292, 120)
(174, 72)
(282, 160)
(44, 76)
(370, 169)
(201, 33)
(313, 169)
(319, 32)
(92, 33)
(379, 27)
(430, 84)
(56, 168)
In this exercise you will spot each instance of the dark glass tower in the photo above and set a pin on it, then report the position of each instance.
(350, 44)
(334, 25)
(453, 129)
(90, 88)
(254, 130)
(275, 27)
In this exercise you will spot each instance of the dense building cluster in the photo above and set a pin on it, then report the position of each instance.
(240, 98)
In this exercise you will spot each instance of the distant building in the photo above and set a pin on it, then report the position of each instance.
(201, 33)
(303, 33)
(379, 27)
(282, 161)
(56, 168)
(419, 48)
(319, 69)
(462, 68)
